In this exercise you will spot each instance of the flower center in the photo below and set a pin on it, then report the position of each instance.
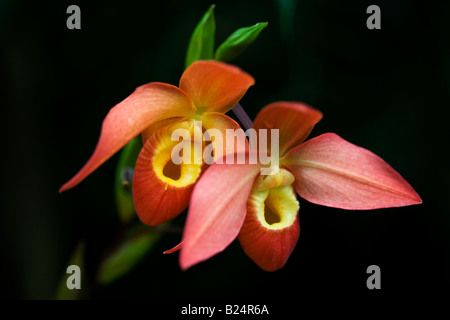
(278, 177)
(276, 208)
(172, 170)
(176, 174)
(271, 216)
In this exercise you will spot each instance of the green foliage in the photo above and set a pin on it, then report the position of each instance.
(201, 45)
(238, 41)
(127, 254)
(124, 179)
(65, 293)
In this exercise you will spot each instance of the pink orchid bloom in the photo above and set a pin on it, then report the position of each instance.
(161, 188)
(234, 200)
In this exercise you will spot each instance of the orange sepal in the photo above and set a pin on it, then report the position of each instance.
(215, 86)
(295, 121)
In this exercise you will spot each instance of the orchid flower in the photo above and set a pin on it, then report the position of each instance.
(234, 200)
(161, 188)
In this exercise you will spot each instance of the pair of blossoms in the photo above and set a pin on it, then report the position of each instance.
(233, 200)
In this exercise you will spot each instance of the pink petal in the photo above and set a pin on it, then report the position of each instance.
(333, 172)
(148, 104)
(217, 211)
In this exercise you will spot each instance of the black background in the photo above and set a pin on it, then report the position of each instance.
(385, 90)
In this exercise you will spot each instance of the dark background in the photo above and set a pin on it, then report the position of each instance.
(385, 90)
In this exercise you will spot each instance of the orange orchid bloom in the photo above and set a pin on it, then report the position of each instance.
(262, 210)
(161, 189)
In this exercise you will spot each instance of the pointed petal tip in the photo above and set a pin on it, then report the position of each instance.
(414, 198)
(69, 184)
(188, 260)
(184, 266)
(417, 199)
(174, 249)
